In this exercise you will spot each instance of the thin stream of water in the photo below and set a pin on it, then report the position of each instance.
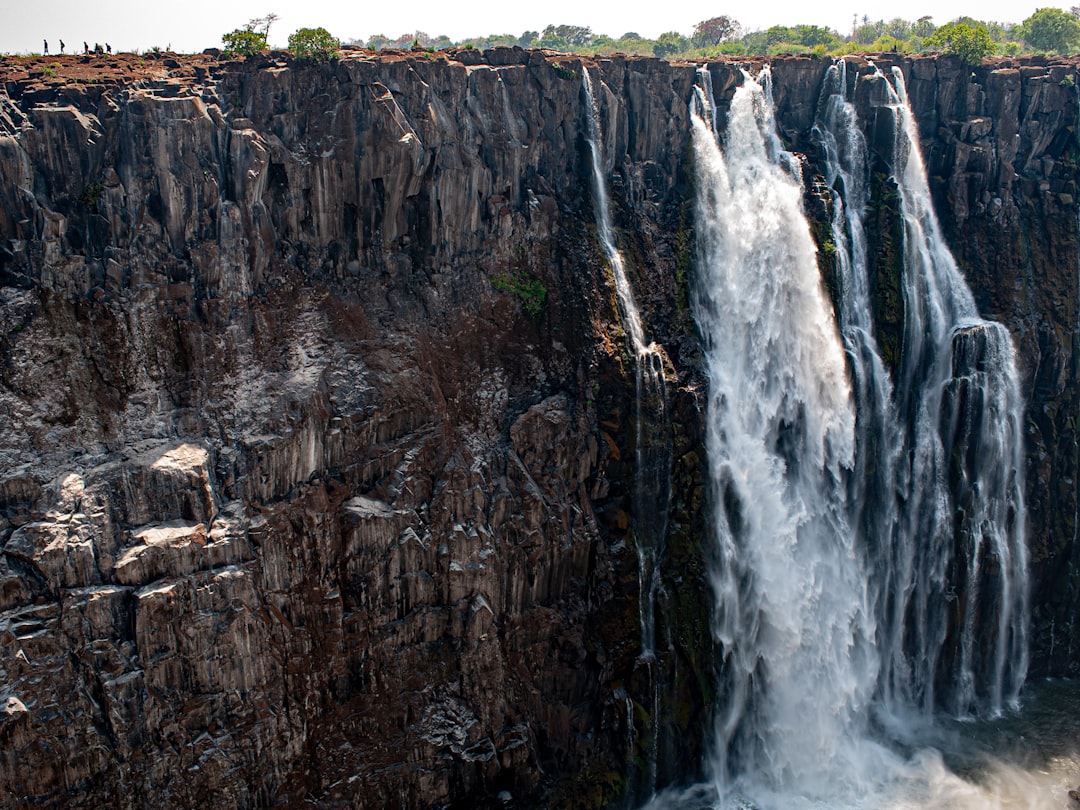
(653, 447)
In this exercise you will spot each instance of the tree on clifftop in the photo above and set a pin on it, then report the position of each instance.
(255, 23)
(970, 43)
(243, 42)
(715, 31)
(1051, 29)
(316, 44)
(248, 41)
(670, 42)
(560, 36)
(923, 27)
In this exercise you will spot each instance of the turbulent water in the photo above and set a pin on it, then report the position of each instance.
(792, 609)
(869, 570)
(872, 488)
(1021, 760)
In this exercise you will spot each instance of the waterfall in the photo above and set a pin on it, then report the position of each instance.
(960, 637)
(873, 493)
(652, 434)
(630, 315)
(869, 563)
(793, 613)
(950, 567)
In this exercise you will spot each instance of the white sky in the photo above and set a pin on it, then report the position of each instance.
(191, 25)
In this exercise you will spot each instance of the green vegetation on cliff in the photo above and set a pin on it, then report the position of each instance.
(971, 43)
(315, 44)
(530, 290)
(1051, 29)
(249, 40)
(243, 42)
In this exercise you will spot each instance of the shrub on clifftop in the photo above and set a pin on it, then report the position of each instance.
(970, 43)
(316, 44)
(243, 42)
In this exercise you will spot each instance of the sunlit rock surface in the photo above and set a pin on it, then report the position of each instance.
(302, 499)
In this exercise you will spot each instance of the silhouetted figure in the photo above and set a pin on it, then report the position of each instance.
(108, 48)
(98, 49)
(46, 47)
(85, 48)
(61, 46)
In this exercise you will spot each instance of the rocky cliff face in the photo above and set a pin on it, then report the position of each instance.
(318, 419)
(316, 415)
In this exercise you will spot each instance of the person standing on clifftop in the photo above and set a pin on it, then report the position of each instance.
(46, 46)
(61, 46)
(85, 48)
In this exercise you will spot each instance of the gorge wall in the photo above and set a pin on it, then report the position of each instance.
(318, 416)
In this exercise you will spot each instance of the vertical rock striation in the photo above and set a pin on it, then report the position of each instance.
(316, 417)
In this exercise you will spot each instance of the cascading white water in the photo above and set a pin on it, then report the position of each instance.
(873, 494)
(955, 420)
(961, 635)
(839, 540)
(653, 450)
(793, 613)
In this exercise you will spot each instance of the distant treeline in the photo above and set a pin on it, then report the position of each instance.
(1047, 30)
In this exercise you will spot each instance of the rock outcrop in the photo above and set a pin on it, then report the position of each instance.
(317, 415)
